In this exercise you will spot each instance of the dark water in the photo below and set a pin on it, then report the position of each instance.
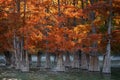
(71, 75)
(115, 75)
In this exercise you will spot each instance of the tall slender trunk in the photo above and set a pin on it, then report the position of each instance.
(15, 38)
(17, 53)
(107, 60)
(21, 51)
(24, 53)
(24, 57)
(27, 61)
(84, 58)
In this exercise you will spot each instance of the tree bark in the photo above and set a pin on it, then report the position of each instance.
(94, 63)
(16, 39)
(84, 61)
(25, 64)
(93, 58)
(67, 60)
(13, 61)
(60, 66)
(55, 59)
(76, 61)
(30, 59)
(38, 60)
(107, 59)
(17, 53)
(8, 56)
(47, 65)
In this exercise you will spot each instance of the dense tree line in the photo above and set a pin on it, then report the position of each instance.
(82, 28)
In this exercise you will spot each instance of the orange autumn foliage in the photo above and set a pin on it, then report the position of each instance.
(44, 30)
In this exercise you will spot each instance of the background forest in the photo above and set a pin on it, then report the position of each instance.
(85, 29)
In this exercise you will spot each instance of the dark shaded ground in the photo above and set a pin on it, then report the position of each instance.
(115, 75)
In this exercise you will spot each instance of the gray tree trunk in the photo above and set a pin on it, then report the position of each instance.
(60, 66)
(76, 61)
(94, 63)
(25, 64)
(17, 53)
(55, 59)
(67, 59)
(47, 64)
(93, 58)
(16, 40)
(107, 59)
(84, 62)
(24, 53)
(13, 60)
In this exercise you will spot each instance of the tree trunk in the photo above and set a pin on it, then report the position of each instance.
(24, 53)
(84, 61)
(93, 59)
(17, 53)
(25, 64)
(67, 59)
(8, 56)
(60, 65)
(38, 60)
(30, 59)
(55, 59)
(16, 39)
(47, 65)
(13, 60)
(107, 60)
(94, 63)
(76, 61)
